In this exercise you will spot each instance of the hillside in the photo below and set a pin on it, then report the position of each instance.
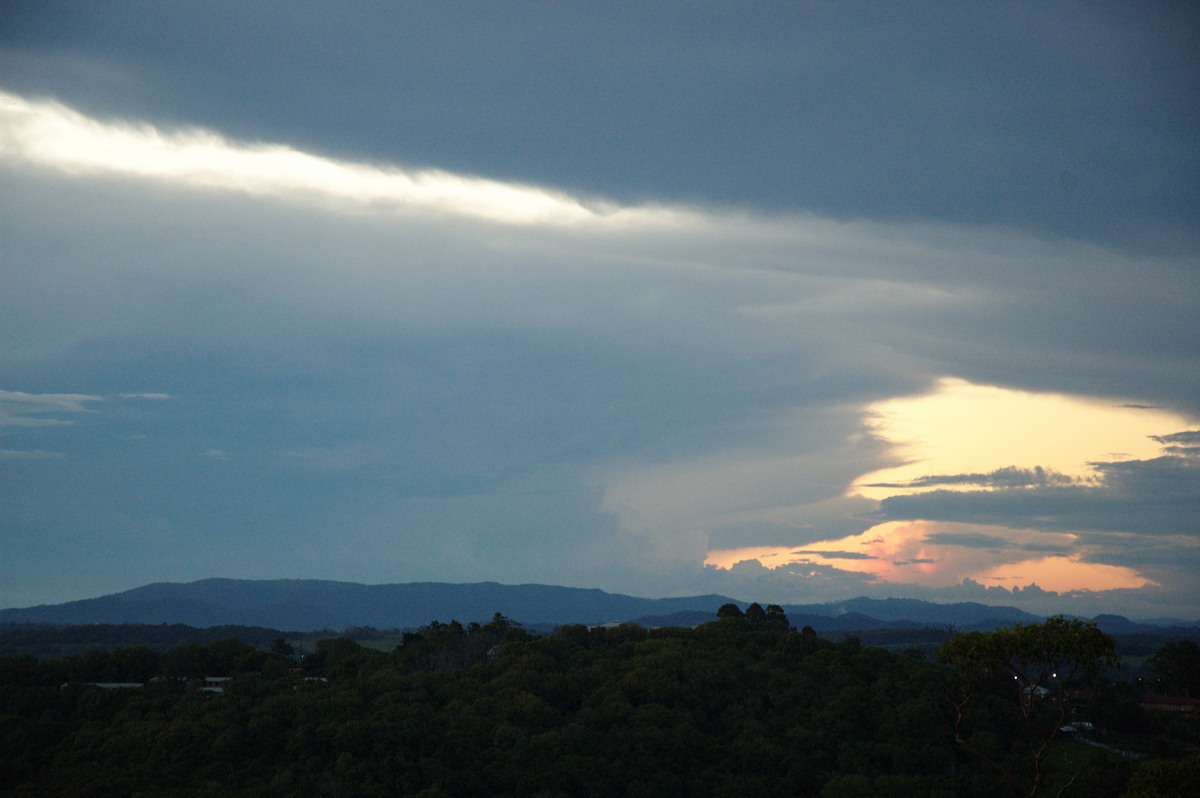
(309, 604)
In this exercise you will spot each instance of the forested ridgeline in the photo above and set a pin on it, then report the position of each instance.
(65, 640)
(729, 708)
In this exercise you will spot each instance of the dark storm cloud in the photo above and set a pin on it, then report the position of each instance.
(1052, 116)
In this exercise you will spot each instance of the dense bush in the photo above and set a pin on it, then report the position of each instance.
(728, 708)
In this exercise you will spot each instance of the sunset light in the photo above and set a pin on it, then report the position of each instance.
(943, 554)
(960, 428)
(1063, 574)
(966, 437)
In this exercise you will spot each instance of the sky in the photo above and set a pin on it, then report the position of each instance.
(791, 302)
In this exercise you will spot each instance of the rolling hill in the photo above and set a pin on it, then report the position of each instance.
(310, 604)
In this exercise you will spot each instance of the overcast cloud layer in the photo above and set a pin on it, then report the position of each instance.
(580, 294)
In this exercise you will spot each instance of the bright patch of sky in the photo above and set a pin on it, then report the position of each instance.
(966, 437)
(55, 136)
(1063, 575)
(964, 429)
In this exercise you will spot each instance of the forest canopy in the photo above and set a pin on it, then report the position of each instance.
(732, 707)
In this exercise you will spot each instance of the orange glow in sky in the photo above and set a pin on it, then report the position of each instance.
(961, 428)
(893, 552)
(1063, 574)
(905, 552)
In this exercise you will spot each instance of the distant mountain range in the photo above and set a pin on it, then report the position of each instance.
(310, 604)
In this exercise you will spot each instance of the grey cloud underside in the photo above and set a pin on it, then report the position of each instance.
(969, 540)
(1052, 116)
(1183, 444)
(1157, 497)
(833, 519)
(982, 541)
(836, 555)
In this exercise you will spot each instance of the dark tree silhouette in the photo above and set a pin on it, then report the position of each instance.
(731, 610)
(1176, 668)
(1036, 666)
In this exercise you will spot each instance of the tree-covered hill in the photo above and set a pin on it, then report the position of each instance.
(312, 604)
(55, 640)
(730, 708)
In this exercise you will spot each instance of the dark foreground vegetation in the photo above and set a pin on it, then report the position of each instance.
(63, 640)
(742, 706)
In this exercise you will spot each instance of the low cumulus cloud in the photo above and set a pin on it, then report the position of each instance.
(790, 583)
(805, 583)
